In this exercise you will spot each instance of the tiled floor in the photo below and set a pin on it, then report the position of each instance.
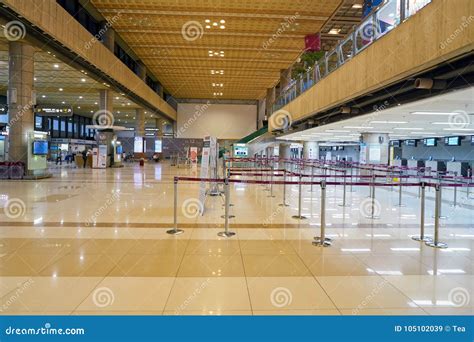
(95, 242)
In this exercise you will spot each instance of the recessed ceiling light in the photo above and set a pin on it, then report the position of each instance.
(63, 102)
(78, 107)
(357, 6)
(208, 26)
(222, 27)
(334, 31)
(43, 96)
(83, 79)
(207, 20)
(214, 24)
(61, 89)
(116, 97)
(222, 21)
(56, 66)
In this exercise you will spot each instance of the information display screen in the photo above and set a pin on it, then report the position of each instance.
(40, 147)
(430, 142)
(158, 146)
(241, 150)
(452, 141)
(119, 149)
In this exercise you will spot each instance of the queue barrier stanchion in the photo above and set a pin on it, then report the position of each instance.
(440, 211)
(422, 236)
(175, 230)
(372, 201)
(271, 180)
(322, 240)
(312, 177)
(436, 243)
(227, 216)
(343, 204)
(400, 181)
(283, 204)
(455, 195)
(299, 216)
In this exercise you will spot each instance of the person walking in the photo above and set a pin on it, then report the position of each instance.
(84, 157)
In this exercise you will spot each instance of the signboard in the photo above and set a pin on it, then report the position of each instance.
(102, 157)
(206, 150)
(374, 154)
(138, 145)
(241, 150)
(158, 146)
(193, 154)
(53, 111)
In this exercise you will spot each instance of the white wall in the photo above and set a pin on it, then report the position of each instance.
(224, 121)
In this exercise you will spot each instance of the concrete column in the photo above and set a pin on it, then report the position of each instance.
(139, 122)
(284, 151)
(20, 99)
(108, 38)
(141, 70)
(106, 136)
(374, 148)
(270, 98)
(310, 150)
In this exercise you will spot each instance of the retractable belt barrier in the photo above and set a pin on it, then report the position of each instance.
(322, 240)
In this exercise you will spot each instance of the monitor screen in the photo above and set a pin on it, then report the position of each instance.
(40, 147)
(453, 141)
(241, 150)
(396, 143)
(119, 149)
(411, 142)
(430, 142)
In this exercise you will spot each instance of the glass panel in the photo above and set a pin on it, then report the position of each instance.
(347, 48)
(413, 6)
(388, 17)
(365, 34)
(332, 61)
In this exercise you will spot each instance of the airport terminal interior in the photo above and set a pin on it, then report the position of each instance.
(238, 157)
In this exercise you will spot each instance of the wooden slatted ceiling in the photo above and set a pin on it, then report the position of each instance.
(251, 62)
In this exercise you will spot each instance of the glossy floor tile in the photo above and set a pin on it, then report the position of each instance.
(95, 242)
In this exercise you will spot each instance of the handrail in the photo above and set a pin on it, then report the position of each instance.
(366, 33)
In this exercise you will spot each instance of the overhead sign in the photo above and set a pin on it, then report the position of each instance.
(53, 111)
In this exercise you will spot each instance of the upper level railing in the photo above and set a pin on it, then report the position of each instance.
(382, 19)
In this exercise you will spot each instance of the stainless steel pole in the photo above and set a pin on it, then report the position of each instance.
(322, 240)
(226, 232)
(175, 230)
(422, 236)
(299, 216)
(435, 243)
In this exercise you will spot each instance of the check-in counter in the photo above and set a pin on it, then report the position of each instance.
(414, 165)
(458, 168)
(399, 162)
(435, 166)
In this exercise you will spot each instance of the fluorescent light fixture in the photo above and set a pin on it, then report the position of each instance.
(334, 31)
(357, 6)
(458, 129)
(433, 113)
(337, 131)
(388, 122)
(408, 128)
(358, 127)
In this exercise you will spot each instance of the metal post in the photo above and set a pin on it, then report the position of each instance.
(283, 204)
(455, 199)
(226, 232)
(175, 230)
(299, 216)
(435, 243)
(271, 180)
(322, 240)
(351, 179)
(400, 190)
(344, 191)
(422, 236)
